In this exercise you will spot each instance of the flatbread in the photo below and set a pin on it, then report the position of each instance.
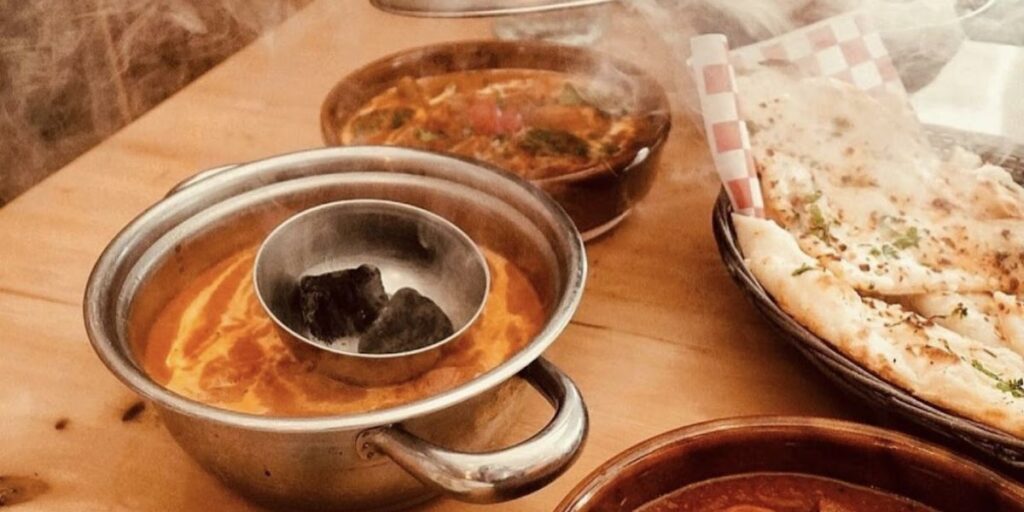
(909, 262)
(955, 372)
(995, 319)
(853, 178)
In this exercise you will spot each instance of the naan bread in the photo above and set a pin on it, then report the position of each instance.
(955, 372)
(908, 263)
(854, 179)
(995, 319)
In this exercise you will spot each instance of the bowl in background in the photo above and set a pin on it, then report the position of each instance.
(597, 197)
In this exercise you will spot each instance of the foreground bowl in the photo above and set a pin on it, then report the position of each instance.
(598, 197)
(848, 452)
(379, 460)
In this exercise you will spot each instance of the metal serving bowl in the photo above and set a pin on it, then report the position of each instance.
(410, 246)
(380, 460)
(598, 197)
(847, 452)
(477, 8)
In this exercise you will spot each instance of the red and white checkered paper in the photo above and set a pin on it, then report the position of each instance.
(844, 47)
(726, 130)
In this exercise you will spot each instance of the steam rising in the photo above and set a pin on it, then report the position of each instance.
(74, 71)
(921, 35)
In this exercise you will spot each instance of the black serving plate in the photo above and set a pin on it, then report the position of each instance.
(849, 375)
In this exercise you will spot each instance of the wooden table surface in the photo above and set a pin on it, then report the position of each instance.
(662, 339)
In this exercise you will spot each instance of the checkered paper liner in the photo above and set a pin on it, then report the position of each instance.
(843, 47)
(726, 130)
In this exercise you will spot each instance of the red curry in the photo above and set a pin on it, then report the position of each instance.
(538, 124)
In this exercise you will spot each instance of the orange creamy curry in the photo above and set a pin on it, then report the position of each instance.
(213, 343)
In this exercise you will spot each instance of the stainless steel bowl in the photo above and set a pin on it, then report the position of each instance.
(379, 460)
(477, 8)
(410, 246)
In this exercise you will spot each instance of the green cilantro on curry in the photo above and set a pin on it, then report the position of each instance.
(538, 124)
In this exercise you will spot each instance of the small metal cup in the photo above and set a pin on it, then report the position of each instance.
(411, 246)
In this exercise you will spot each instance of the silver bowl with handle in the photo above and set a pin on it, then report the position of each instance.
(452, 443)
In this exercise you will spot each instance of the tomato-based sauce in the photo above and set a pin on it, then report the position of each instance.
(214, 343)
(538, 124)
(780, 492)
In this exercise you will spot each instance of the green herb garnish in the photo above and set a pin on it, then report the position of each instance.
(553, 142)
(1014, 387)
(908, 239)
(887, 250)
(803, 268)
(820, 226)
(981, 368)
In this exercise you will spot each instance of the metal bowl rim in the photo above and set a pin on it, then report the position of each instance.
(414, 210)
(123, 367)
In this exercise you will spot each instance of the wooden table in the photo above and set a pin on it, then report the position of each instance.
(663, 337)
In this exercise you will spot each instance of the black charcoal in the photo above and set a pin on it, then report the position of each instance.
(409, 321)
(341, 303)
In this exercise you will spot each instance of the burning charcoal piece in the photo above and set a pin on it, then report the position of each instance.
(341, 303)
(409, 321)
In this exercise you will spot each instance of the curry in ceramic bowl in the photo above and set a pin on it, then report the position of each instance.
(583, 126)
(791, 464)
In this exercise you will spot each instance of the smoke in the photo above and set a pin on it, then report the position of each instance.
(922, 36)
(1001, 22)
(74, 71)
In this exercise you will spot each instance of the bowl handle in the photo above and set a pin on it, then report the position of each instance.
(499, 475)
(197, 177)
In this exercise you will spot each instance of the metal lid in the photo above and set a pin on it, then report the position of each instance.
(477, 8)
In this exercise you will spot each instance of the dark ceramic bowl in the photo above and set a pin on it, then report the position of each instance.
(596, 197)
(848, 452)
